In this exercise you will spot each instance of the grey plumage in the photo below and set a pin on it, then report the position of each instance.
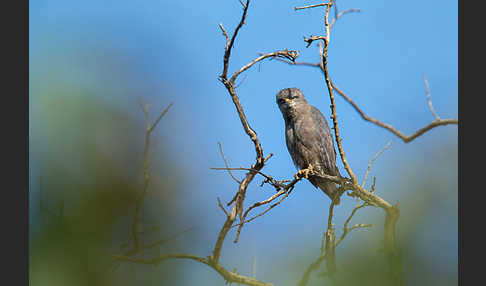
(309, 139)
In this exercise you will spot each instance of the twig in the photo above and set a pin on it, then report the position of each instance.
(330, 245)
(346, 230)
(145, 170)
(225, 34)
(313, 6)
(229, 276)
(402, 136)
(331, 94)
(226, 163)
(230, 45)
(429, 100)
(222, 207)
(157, 243)
(286, 54)
(269, 200)
(242, 4)
(373, 160)
(275, 183)
(373, 185)
(353, 10)
(327, 252)
(365, 117)
(160, 116)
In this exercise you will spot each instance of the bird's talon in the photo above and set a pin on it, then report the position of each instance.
(305, 172)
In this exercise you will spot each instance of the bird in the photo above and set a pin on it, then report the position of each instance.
(309, 140)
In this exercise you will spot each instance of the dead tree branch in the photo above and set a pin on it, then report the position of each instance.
(429, 100)
(392, 212)
(405, 138)
(260, 158)
(340, 14)
(372, 161)
(402, 136)
(347, 229)
(226, 163)
(326, 41)
(146, 175)
(229, 276)
(312, 6)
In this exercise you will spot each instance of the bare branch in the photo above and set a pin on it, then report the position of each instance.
(242, 4)
(429, 100)
(346, 230)
(145, 170)
(230, 45)
(405, 138)
(269, 200)
(226, 163)
(315, 38)
(331, 94)
(312, 6)
(160, 116)
(373, 160)
(373, 185)
(222, 207)
(314, 265)
(225, 34)
(402, 136)
(289, 55)
(353, 10)
(327, 251)
(229, 276)
(277, 184)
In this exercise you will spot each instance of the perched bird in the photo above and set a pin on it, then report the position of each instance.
(309, 140)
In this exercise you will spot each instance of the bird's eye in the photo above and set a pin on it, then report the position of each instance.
(293, 97)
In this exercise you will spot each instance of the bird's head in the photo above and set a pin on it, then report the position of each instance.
(290, 99)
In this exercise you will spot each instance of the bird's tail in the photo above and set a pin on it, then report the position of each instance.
(331, 190)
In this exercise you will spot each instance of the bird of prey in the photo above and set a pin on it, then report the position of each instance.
(309, 140)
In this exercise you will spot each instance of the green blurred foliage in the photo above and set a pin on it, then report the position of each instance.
(88, 155)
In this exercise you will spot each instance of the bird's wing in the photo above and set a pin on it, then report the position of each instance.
(315, 134)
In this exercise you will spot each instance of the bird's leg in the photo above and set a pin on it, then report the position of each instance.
(305, 172)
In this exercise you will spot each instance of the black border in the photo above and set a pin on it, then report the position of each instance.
(15, 132)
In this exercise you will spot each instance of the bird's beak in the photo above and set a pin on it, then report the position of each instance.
(287, 100)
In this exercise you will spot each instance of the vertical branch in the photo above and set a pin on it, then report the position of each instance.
(429, 100)
(145, 171)
(330, 245)
(228, 47)
(230, 219)
(391, 250)
(392, 212)
(331, 96)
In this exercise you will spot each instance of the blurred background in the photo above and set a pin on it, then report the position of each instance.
(91, 62)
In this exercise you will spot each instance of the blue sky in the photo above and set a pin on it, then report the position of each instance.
(173, 51)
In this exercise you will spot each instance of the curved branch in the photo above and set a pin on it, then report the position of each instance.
(286, 54)
(229, 45)
(229, 276)
(405, 138)
(390, 128)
